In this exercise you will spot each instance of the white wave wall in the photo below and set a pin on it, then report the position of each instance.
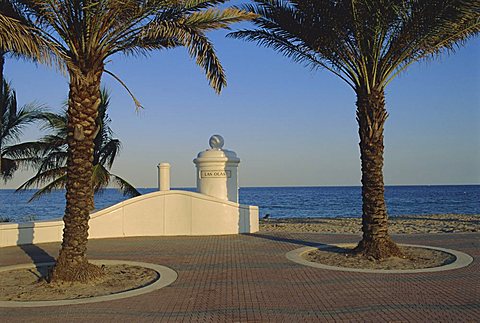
(163, 213)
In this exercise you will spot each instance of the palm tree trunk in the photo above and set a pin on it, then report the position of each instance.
(2, 63)
(371, 117)
(83, 102)
(91, 203)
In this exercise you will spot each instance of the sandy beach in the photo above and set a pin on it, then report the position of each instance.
(437, 223)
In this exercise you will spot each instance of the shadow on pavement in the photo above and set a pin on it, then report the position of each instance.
(285, 239)
(35, 253)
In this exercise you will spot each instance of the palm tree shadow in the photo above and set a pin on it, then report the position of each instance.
(284, 239)
(39, 257)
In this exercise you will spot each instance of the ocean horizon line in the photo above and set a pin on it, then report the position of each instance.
(279, 186)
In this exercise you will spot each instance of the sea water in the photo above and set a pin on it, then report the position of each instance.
(278, 201)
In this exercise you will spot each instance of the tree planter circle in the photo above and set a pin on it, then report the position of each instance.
(166, 276)
(461, 260)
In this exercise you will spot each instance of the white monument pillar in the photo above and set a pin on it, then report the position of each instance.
(217, 171)
(164, 177)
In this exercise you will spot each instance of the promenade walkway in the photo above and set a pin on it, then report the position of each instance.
(246, 278)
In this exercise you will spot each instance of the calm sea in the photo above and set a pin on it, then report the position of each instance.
(280, 201)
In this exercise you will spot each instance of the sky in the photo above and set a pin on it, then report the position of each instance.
(289, 125)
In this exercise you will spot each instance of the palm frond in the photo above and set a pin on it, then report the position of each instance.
(12, 124)
(100, 178)
(185, 25)
(126, 188)
(52, 160)
(19, 36)
(427, 29)
(54, 121)
(57, 184)
(27, 150)
(301, 31)
(13, 120)
(109, 152)
(365, 42)
(42, 178)
(16, 123)
(8, 168)
(198, 45)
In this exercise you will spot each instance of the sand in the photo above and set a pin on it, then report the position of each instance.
(28, 285)
(410, 224)
(415, 258)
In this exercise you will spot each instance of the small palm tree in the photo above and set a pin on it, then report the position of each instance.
(13, 121)
(85, 34)
(49, 155)
(18, 38)
(366, 43)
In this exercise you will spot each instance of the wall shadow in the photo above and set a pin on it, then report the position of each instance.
(241, 224)
(243, 220)
(26, 233)
(284, 239)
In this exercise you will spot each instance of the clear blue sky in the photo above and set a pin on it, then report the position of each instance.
(289, 125)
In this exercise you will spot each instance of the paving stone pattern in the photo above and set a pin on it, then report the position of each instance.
(246, 278)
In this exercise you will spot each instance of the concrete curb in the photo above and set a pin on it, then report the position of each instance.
(167, 277)
(462, 260)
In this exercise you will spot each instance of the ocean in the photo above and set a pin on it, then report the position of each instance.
(279, 201)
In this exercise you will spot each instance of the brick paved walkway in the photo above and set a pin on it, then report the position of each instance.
(247, 278)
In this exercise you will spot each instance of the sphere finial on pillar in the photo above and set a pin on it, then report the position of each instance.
(216, 142)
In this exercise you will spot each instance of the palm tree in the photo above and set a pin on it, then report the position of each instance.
(366, 43)
(12, 123)
(86, 33)
(51, 166)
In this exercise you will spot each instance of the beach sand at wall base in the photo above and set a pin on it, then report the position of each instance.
(436, 223)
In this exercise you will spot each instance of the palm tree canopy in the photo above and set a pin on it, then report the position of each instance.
(88, 32)
(365, 42)
(49, 154)
(13, 122)
(18, 36)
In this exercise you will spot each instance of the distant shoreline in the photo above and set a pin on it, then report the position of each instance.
(284, 186)
(405, 224)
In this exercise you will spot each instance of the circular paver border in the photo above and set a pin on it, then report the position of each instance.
(166, 277)
(461, 260)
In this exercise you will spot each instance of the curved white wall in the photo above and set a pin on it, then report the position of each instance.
(164, 213)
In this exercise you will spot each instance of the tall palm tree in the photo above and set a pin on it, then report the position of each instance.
(86, 33)
(366, 43)
(49, 155)
(12, 123)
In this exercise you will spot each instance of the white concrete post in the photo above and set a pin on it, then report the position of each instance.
(164, 177)
(217, 171)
